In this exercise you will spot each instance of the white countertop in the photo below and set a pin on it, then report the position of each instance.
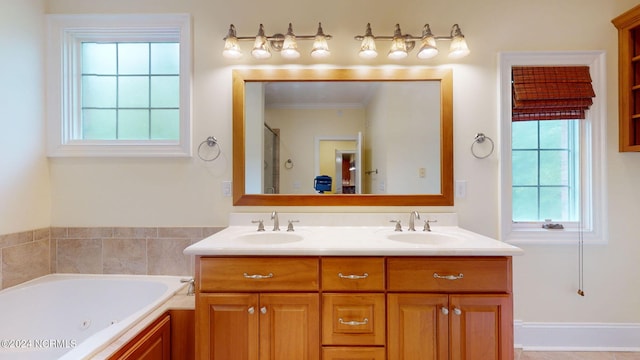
(349, 241)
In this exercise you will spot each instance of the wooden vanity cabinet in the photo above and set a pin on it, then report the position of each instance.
(449, 308)
(628, 25)
(248, 309)
(354, 308)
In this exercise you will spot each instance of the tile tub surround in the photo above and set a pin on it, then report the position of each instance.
(98, 250)
(24, 256)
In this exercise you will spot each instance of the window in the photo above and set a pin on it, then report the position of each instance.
(553, 170)
(119, 85)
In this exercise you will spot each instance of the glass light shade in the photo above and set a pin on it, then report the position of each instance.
(428, 48)
(398, 49)
(290, 46)
(398, 45)
(458, 48)
(261, 48)
(368, 48)
(261, 45)
(231, 48)
(320, 47)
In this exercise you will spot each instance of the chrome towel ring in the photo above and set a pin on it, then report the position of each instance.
(212, 143)
(479, 139)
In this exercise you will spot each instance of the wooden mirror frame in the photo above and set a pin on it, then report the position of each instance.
(444, 76)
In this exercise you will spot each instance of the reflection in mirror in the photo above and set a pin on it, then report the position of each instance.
(382, 137)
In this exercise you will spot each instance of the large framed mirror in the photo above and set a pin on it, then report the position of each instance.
(343, 137)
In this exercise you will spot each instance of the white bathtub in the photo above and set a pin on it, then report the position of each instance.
(68, 316)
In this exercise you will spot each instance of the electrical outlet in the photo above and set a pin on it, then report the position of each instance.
(422, 172)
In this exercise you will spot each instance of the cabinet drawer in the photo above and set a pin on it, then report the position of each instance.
(258, 274)
(353, 319)
(353, 353)
(353, 274)
(450, 274)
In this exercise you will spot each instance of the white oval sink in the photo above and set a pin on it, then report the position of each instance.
(269, 238)
(424, 238)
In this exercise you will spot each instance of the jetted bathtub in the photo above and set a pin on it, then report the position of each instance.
(69, 316)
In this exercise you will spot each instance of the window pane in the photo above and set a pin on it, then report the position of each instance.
(133, 124)
(554, 204)
(98, 124)
(165, 58)
(99, 91)
(133, 58)
(525, 203)
(554, 168)
(165, 124)
(524, 135)
(133, 91)
(99, 59)
(525, 167)
(165, 91)
(553, 134)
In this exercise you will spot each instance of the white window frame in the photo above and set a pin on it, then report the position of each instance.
(66, 34)
(592, 229)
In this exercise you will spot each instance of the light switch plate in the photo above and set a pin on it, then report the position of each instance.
(461, 189)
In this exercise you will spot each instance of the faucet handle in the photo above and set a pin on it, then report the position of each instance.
(260, 224)
(427, 227)
(290, 226)
(398, 226)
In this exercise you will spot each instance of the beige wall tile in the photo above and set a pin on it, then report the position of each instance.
(90, 232)
(41, 234)
(208, 231)
(15, 239)
(124, 256)
(166, 258)
(24, 262)
(83, 256)
(59, 232)
(180, 232)
(135, 232)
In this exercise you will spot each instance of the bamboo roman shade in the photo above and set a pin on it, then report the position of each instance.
(551, 92)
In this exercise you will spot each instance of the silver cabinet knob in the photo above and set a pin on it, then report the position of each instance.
(263, 310)
(251, 310)
(444, 310)
(457, 311)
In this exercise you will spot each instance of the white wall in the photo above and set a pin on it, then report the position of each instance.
(25, 201)
(174, 192)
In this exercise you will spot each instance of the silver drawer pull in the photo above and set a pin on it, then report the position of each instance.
(365, 321)
(448, 277)
(353, 277)
(257, 276)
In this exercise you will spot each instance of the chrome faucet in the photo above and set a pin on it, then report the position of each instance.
(276, 223)
(412, 220)
(191, 288)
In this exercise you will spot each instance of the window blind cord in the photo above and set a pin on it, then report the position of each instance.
(580, 237)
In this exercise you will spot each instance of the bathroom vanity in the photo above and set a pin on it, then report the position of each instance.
(353, 292)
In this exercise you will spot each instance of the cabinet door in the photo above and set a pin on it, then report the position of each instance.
(154, 343)
(289, 327)
(481, 327)
(227, 326)
(418, 327)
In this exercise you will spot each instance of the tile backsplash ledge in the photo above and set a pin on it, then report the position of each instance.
(98, 250)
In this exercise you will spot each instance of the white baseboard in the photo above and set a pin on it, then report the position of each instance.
(576, 336)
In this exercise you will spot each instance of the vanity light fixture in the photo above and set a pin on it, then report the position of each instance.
(402, 44)
(286, 44)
